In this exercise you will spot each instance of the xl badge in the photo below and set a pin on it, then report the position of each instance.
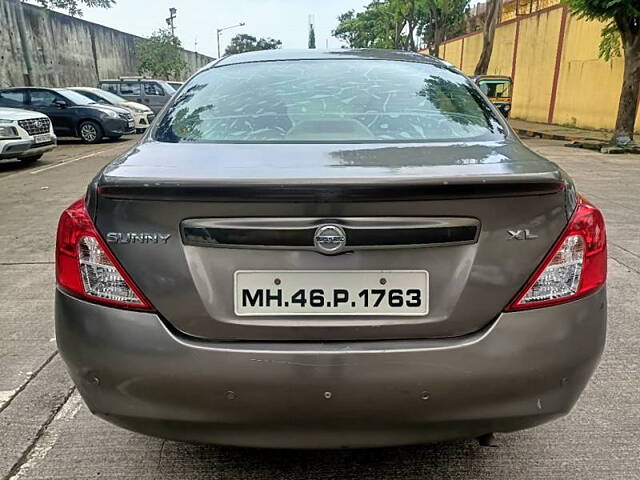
(521, 235)
(329, 239)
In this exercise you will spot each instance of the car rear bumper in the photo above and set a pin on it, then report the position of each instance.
(525, 369)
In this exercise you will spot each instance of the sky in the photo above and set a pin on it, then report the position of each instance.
(197, 20)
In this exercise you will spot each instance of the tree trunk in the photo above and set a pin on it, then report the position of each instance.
(490, 22)
(628, 107)
(411, 41)
(438, 38)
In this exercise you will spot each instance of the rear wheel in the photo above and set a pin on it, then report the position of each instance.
(90, 132)
(31, 158)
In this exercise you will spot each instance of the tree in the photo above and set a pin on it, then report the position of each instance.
(492, 15)
(382, 24)
(395, 23)
(312, 37)
(160, 55)
(247, 43)
(72, 7)
(443, 19)
(623, 23)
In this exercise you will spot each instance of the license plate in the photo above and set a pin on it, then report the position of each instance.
(130, 123)
(331, 292)
(41, 138)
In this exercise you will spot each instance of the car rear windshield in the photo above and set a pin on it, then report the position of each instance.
(333, 101)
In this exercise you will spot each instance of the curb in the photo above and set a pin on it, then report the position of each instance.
(551, 136)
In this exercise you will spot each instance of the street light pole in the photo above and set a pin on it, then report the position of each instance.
(219, 30)
(172, 16)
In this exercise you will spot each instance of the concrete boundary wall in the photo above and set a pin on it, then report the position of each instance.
(42, 47)
(553, 58)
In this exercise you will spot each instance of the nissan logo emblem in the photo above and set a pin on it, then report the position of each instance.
(329, 239)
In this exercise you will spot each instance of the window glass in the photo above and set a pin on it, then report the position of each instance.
(90, 95)
(14, 99)
(43, 98)
(108, 96)
(130, 88)
(169, 90)
(495, 88)
(110, 87)
(75, 97)
(152, 89)
(329, 101)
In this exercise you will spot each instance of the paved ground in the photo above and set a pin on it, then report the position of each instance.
(47, 432)
(558, 132)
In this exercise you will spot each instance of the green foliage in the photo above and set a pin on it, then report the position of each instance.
(248, 43)
(72, 7)
(444, 19)
(312, 37)
(623, 16)
(393, 23)
(604, 10)
(380, 25)
(610, 42)
(160, 55)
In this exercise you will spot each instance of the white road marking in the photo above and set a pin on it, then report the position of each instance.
(55, 165)
(67, 162)
(46, 442)
(5, 395)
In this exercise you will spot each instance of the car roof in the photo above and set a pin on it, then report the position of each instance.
(319, 54)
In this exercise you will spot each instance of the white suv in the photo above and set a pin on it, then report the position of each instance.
(25, 135)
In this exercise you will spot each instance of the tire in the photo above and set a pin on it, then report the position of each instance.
(31, 158)
(90, 132)
(140, 130)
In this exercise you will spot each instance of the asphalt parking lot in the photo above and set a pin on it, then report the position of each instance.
(47, 432)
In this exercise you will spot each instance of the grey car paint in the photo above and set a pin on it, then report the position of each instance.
(522, 370)
(197, 371)
(432, 174)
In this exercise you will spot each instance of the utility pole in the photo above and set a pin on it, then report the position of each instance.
(172, 16)
(220, 30)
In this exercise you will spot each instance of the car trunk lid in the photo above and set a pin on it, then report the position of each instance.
(232, 208)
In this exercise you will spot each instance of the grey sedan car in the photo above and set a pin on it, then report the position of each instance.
(325, 249)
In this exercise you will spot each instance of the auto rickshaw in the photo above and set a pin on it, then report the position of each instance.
(498, 89)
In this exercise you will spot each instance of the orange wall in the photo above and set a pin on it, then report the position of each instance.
(587, 87)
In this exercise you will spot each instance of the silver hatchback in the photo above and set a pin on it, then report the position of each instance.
(330, 249)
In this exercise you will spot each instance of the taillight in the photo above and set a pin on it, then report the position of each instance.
(86, 268)
(575, 266)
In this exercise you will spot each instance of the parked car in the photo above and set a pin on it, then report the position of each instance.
(153, 93)
(330, 249)
(142, 115)
(73, 114)
(175, 85)
(24, 135)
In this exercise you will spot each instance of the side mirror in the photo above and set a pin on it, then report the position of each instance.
(60, 103)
